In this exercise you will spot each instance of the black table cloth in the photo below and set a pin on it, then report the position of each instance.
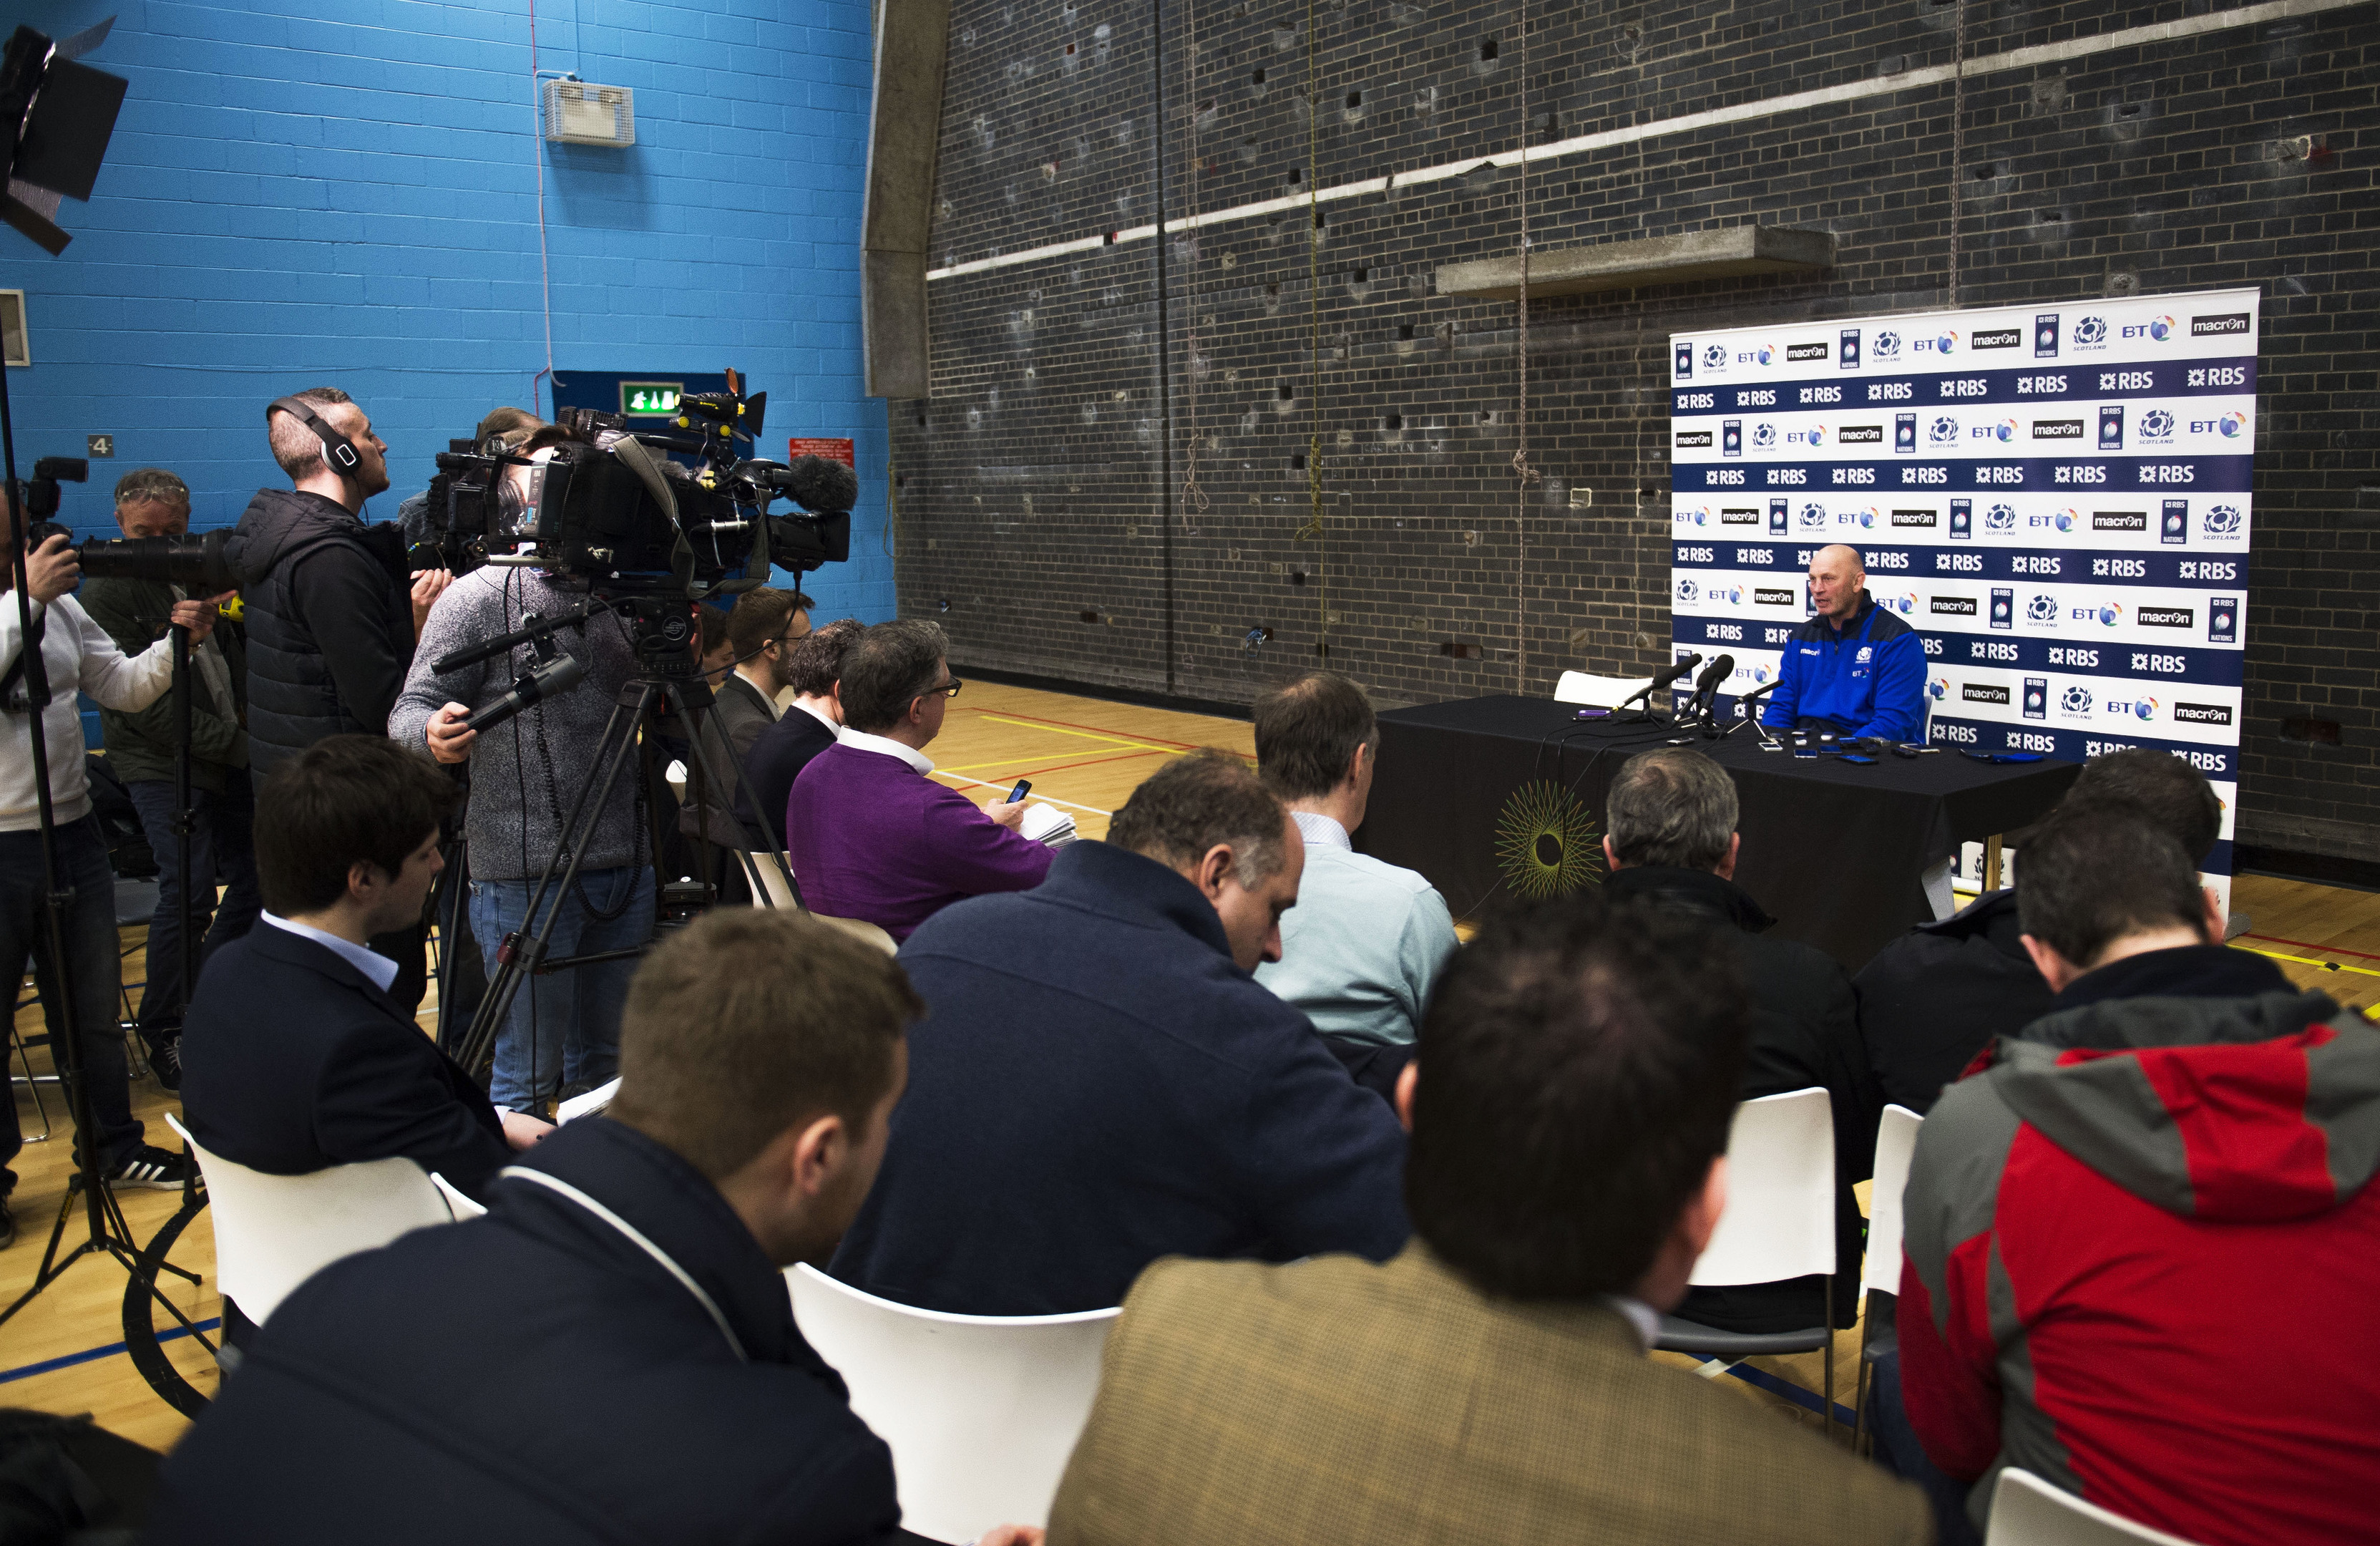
(1500, 796)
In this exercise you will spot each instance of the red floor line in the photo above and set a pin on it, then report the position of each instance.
(2303, 944)
(1091, 729)
(1062, 767)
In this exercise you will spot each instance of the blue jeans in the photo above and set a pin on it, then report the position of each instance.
(1898, 1451)
(221, 850)
(92, 966)
(564, 1030)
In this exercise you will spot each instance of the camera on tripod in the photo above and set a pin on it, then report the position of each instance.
(196, 563)
(603, 513)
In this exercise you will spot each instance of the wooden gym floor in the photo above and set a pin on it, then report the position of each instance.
(64, 1352)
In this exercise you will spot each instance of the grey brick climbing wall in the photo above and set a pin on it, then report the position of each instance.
(1042, 509)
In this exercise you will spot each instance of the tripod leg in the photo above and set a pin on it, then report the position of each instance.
(697, 719)
(524, 950)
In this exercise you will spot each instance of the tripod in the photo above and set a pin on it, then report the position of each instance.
(107, 1233)
(670, 677)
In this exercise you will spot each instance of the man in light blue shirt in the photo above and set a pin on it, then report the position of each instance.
(1367, 939)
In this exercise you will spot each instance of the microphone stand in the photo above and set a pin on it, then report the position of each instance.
(108, 1234)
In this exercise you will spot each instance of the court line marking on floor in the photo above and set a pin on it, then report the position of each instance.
(2309, 944)
(1039, 722)
(2310, 961)
(91, 1355)
(1089, 736)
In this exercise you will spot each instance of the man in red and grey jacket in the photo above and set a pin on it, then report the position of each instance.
(2143, 1245)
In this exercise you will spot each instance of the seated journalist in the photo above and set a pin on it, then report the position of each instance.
(296, 1058)
(765, 627)
(1570, 1110)
(781, 752)
(872, 836)
(1672, 814)
(1934, 998)
(1855, 669)
(1099, 1082)
(2143, 1238)
(1367, 939)
(611, 1354)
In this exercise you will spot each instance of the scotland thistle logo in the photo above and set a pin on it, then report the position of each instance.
(2075, 699)
(2041, 609)
(2090, 330)
(1884, 346)
(2000, 517)
(2223, 520)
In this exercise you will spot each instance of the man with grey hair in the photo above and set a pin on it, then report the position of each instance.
(871, 835)
(1671, 816)
(144, 746)
(1099, 1082)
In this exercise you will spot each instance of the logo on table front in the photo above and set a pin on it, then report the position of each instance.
(1546, 842)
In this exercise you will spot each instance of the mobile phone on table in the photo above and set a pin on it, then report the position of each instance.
(1863, 762)
(1024, 788)
(1805, 751)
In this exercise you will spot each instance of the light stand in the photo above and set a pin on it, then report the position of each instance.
(57, 117)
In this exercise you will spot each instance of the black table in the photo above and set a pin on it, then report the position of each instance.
(1498, 796)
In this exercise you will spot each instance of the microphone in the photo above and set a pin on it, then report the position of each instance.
(1713, 674)
(1661, 680)
(549, 679)
(820, 486)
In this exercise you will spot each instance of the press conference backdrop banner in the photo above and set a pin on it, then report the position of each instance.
(2057, 497)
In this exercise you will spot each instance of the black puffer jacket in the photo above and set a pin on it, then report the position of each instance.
(330, 621)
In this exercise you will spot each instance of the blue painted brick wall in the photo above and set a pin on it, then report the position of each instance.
(300, 194)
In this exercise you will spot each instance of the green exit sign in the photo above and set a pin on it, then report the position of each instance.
(650, 399)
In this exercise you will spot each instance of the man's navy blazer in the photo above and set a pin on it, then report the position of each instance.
(294, 1062)
(778, 757)
(1097, 1085)
(540, 1377)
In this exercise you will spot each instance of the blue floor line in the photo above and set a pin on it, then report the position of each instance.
(51, 1365)
(1808, 1400)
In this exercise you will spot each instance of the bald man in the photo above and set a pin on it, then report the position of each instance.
(1855, 669)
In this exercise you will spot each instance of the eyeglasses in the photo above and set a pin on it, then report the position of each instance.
(948, 689)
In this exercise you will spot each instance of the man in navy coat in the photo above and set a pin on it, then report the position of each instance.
(611, 1354)
(1100, 1081)
(296, 1059)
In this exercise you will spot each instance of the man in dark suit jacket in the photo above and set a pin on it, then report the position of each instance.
(1671, 816)
(1570, 1112)
(1100, 1081)
(296, 1058)
(781, 750)
(763, 630)
(610, 1354)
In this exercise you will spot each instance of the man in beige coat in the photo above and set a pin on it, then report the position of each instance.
(1569, 1107)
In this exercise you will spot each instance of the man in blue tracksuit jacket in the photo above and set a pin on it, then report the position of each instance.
(1855, 669)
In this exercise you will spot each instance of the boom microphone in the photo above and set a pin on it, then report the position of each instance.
(1661, 680)
(1713, 674)
(820, 486)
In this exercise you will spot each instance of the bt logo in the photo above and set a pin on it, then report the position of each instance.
(2139, 708)
(2004, 430)
(2000, 517)
(1815, 435)
(2234, 424)
(1734, 595)
(2111, 614)
(1864, 519)
(2158, 328)
(1696, 516)
(1939, 688)
(2090, 330)
(1760, 354)
(1905, 603)
(1942, 342)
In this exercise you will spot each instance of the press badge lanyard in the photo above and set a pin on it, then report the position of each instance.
(517, 1173)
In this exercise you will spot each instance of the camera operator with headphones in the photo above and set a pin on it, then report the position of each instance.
(563, 1032)
(331, 610)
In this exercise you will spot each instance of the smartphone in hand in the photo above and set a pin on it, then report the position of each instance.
(1024, 788)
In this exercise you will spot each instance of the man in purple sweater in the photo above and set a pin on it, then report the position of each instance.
(870, 836)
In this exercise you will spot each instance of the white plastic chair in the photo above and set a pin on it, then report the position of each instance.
(765, 880)
(1780, 1224)
(1896, 1140)
(456, 1203)
(1595, 692)
(275, 1232)
(2027, 1511)
(981, 1411)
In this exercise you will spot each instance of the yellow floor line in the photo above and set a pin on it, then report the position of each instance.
(1086, 735)
(2310, 961)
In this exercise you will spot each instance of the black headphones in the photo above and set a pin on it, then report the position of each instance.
(337, 453)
